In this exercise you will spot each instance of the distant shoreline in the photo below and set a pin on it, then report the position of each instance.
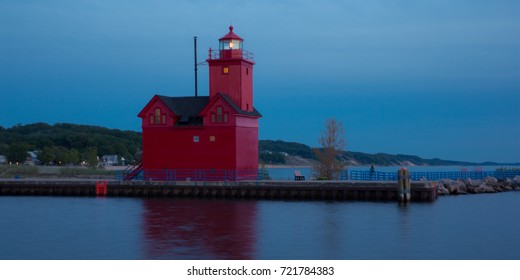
(393, 165)
(69, 143)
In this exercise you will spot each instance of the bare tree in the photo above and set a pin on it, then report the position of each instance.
(332, 143)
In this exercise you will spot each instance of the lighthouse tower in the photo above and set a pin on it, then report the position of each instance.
(214, 135)
(231, 71)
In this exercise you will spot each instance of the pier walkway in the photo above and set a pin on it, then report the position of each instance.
(268, 189)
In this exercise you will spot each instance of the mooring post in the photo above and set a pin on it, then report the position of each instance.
(403, 185)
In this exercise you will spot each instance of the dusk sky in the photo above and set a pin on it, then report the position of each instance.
(429, 78)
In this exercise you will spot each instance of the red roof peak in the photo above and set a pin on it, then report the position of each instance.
(231, 35)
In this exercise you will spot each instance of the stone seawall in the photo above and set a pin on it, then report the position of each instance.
(468, 186)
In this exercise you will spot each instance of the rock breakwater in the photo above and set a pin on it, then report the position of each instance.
(469, 186)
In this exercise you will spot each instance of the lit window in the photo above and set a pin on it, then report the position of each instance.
(225, 70)
(196, 139)
(230, 44)
(151, 119)
(212, 139)
(157, 116)
(164, 119)
(219, 114)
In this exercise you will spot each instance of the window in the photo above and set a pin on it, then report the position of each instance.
(212, 139)
(219, 114)
(230, 44)
(225, 70)
(213, 118)
(157, 115)
(247, 71)
(196, 139)
(225, 117)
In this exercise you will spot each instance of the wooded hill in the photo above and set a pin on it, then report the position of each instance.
(71, 143)
(68, 143)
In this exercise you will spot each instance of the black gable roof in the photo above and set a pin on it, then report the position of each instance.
(185, 106)
(255, 113)
(191, 106)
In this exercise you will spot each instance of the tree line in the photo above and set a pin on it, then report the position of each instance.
(65, 144)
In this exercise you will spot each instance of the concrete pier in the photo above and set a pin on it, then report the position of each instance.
(284, 190)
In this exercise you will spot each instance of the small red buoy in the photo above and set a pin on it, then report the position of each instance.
(101, 188)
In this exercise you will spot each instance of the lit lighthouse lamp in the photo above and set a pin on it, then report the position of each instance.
(230, 45)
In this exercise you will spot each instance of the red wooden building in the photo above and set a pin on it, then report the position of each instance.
(206, 136)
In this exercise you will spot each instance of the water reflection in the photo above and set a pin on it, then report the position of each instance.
(332, 231)
(199, 229)
(461, 227)
(403, 230)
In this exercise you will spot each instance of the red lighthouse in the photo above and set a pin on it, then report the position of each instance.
(206, 135)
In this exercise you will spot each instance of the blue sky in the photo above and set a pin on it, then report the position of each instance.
(430, 78)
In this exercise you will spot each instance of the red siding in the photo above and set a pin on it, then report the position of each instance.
(234, 145)
(247, 148)
(237, 83)
(247, 88)
(174, 148)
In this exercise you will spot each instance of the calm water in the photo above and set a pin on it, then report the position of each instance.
(458, 227)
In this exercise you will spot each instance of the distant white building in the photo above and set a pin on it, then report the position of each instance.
(32, 158)
(109, 160)
(3, 159)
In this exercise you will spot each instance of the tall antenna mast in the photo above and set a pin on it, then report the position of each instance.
(195, 55)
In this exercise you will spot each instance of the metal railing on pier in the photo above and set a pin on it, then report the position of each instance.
(232, 175)
(194, 175)
(428, 176)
